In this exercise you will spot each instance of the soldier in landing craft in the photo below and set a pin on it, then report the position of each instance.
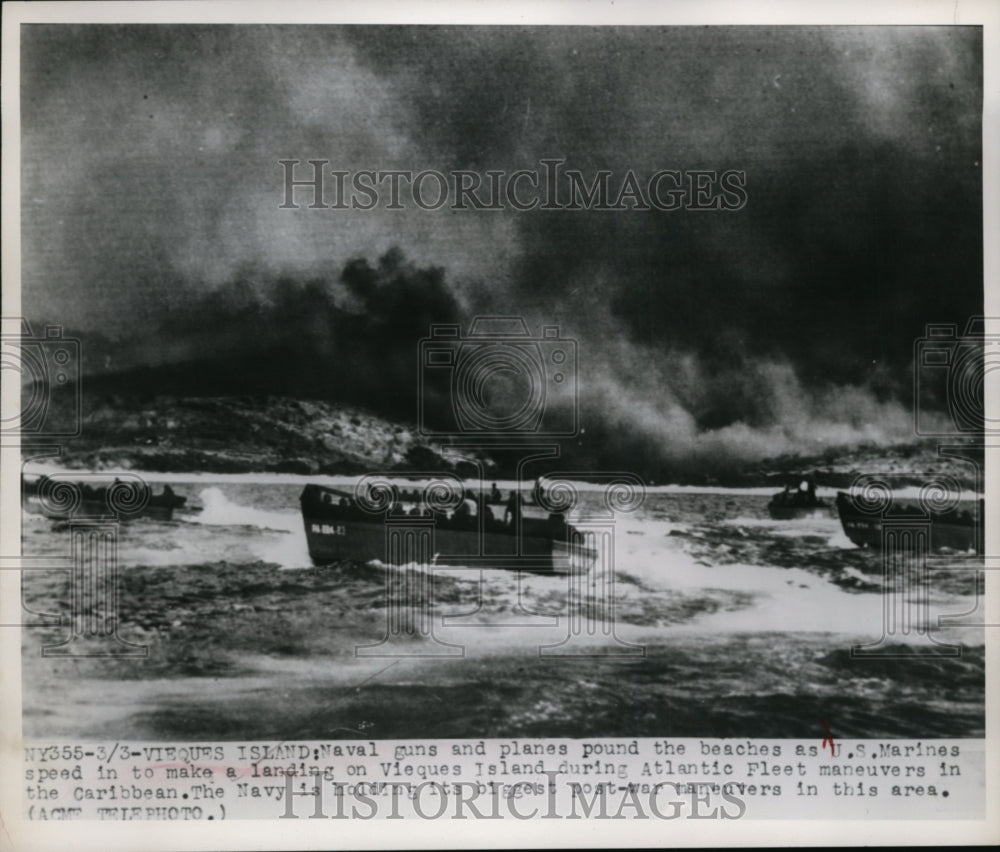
(465, 514)
(512, 512)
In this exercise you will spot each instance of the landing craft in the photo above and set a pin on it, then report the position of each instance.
(798, 503)
(954, 529)
(474, 534)
(94, 502)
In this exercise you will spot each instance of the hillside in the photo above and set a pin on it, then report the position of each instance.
(240, 434)
(904, 464)
(244, 434)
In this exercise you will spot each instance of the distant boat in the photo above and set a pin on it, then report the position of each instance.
(801, 503)
(94, 502)
(337, 529)
(956, 530)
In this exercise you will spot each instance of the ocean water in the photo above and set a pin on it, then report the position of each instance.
(713, 620)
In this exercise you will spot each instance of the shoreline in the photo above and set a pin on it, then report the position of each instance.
(258, 477)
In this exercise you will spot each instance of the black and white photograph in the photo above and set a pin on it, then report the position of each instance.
(567, 391)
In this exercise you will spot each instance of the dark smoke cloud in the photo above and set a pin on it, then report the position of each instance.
(151, 187)
(352, 336)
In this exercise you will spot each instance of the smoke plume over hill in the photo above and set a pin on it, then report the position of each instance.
(152, 215)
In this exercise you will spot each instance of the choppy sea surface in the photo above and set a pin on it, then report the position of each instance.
(720, 622)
